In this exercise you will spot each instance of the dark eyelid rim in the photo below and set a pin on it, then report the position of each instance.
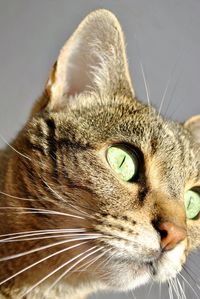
(128, 147)
(195, 189)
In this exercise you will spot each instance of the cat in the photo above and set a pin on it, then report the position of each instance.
(97, 191)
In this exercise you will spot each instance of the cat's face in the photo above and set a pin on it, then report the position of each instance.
(115, 159)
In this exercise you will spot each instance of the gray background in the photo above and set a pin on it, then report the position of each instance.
(163, 34)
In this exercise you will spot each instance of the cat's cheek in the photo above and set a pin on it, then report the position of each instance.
(171, 262)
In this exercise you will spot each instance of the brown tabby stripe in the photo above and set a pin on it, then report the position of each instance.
(142, 193)
(32, 183)
(52, 146)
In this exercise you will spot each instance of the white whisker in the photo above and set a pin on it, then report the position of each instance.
(48, 237)
(16, 197)
(176, 288)
(14, 149)
(145, 84)
(54, 192)
(180, 56)
(163, 97)
(41, 231)
(107, 260)
(68, 270)
(185, 281)
(188, 284)
(42, 260)
(43, 247)
(190, 275)
(133, 294)
(148, 97)
(150, 288)
(181, 289)
(40, 211)
(170, 290)
(89, 263)
(60, 197)
(160, 290)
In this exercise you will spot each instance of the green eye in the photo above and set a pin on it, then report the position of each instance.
(123, 161)
(192, 204)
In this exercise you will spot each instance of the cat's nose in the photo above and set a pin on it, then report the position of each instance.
(171, 234)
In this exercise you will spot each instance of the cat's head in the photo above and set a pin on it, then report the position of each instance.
(133, 176)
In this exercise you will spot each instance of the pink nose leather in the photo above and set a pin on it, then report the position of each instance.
(171, 235)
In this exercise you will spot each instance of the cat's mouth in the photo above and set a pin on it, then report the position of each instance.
(139, 257)
(129, 272)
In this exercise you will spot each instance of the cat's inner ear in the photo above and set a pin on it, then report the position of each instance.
(193, 125)
(92, 60)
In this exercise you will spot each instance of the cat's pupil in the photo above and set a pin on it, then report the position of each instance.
(124, 158)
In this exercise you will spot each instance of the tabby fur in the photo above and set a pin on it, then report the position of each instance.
(57, 163)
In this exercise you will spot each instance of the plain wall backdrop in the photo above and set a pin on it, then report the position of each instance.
(163, 35)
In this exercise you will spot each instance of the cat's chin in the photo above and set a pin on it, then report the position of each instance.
(126, 276)
(129, 277)
(129, 274)
(170, 264)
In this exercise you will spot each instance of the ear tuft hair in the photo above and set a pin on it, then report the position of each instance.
(93, 60)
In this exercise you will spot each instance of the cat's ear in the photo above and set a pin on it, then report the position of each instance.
(93, 60)
(193, 125)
